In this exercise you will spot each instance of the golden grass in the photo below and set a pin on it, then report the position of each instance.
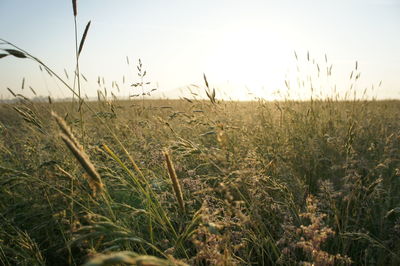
(175, 182)
(93, 177)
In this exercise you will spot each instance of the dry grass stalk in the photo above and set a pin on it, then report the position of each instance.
(135, 165)
(131, 258)
(65, 172)
(73, 145)
(175, 182)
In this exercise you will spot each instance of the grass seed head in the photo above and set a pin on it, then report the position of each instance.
(175, 182)
(66, 130)
(94, 178)
(74, 6)
(76, 149)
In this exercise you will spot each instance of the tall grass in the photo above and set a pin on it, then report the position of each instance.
(263, 183)
(248, 207)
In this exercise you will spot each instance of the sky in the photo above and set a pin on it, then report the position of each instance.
(245, 48)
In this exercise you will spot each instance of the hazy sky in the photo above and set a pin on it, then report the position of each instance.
(243, 47)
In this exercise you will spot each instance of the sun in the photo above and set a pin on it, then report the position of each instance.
(250, 62)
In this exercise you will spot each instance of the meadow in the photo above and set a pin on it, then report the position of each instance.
(197, 181)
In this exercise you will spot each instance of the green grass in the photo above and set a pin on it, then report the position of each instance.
(262, 182)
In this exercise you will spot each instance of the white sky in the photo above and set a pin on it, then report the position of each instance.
(244, 47)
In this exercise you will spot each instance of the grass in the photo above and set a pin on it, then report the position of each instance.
(196, 182)
(258, 186)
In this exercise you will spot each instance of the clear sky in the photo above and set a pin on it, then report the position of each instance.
(246, 48)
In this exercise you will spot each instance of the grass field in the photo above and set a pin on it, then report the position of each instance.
(248, 183)
(197, 182)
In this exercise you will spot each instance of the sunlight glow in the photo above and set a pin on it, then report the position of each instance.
(252, 56)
